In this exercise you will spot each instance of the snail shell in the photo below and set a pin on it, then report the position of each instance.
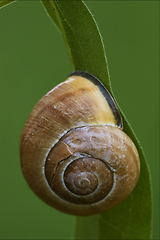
(74, 154)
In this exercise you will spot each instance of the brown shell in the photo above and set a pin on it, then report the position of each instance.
(74, 155)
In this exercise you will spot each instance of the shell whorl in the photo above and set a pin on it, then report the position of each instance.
(74, 154)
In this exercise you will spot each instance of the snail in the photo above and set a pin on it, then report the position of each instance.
(74, 153)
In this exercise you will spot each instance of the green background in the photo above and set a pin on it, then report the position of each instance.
(33, 59)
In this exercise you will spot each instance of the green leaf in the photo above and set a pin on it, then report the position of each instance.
(87, 227)
(3, 3)
(84, 44)
(132, 218)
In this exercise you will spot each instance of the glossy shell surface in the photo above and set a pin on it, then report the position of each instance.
(78, 124)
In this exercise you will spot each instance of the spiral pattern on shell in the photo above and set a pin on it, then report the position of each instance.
(74, 154)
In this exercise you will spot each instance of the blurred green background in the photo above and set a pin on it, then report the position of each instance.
(33, 59)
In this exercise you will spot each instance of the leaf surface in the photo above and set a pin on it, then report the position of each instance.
(132, 218)
(3, 3)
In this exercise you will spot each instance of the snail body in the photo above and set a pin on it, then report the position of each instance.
(74, 154)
